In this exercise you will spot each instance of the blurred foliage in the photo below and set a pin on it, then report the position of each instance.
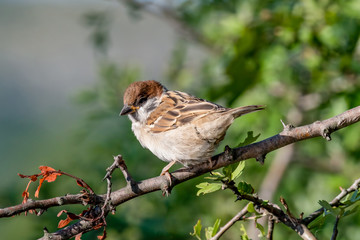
(300, 58)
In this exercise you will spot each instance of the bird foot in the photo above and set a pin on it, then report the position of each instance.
(166, 184)
(166, 187)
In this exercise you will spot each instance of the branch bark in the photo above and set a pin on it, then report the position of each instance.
(256, 150)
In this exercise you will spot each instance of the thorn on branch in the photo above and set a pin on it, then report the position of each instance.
(261, 159)
(228, 153)
(111, 169)
(46, 231)
(284, 203)
(287, 127)
(41, 211)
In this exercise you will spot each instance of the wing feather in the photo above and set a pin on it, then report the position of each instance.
(179, 108)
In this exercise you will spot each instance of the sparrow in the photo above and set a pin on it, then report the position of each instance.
(176, 126)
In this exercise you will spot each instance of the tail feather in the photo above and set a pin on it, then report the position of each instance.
(237, 112)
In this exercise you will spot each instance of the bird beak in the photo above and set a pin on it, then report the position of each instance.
(128, 109)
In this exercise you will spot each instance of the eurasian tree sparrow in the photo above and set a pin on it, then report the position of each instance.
(176, 126)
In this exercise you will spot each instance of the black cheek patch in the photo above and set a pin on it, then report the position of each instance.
(151, 107)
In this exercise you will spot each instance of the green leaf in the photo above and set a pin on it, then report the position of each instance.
(208, 232)
(238, 170)
(216, 227)
(245, 188)
(211, 231)
(355, 197)
(249, 139)
(205, 188)
(318, 222)
(251, 208)
(348, 212)
(228, 170)
(216, 176)
(233, 171)
(329, 208)
(261, 228)
(325, 205)
(197, 230)
(244, 235)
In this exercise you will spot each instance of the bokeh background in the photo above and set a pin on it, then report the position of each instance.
(64, 66)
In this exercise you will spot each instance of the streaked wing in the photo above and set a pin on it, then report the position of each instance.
(179, 108)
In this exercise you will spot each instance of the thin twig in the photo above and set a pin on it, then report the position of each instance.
(230, 223)
(111, 169)
(271, 226)
(334, 202)
(274, 210)
(335, 229)
(108, 176)
(121, 164)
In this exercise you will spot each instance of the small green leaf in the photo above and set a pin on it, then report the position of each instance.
(244, 235)
(251, 208)
(205, 188)
(228, 170)
(325, 205)
(261, 228)
(238, 170)
(216, 227)
(354, 196)
(211, 231)
(208, 232)
(348, 212)
(318, 222)
(249, 139)
(197, 230)
(245, 188)
(215, 176)
(329, 208)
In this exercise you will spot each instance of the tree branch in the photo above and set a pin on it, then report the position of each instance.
(334, 202)
(335, 229)
(274, 210)
(230, 223)
(271, 226)
(256, 150)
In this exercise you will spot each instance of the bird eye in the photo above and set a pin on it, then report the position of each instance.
(142, 100)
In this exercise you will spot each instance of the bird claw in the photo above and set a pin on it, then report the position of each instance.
(168, 176)
(166, 185)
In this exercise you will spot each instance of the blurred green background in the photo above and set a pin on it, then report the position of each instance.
(64, 66)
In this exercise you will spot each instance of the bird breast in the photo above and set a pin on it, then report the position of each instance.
(187, 144)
